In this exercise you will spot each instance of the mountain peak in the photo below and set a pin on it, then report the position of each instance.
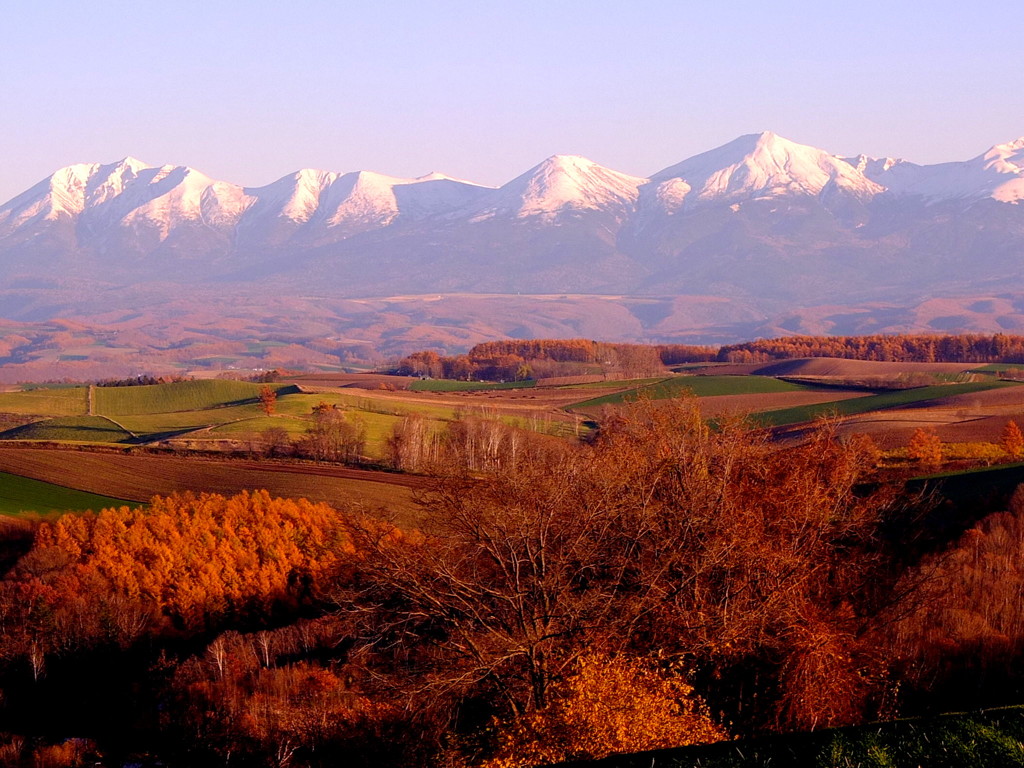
(560, 184)
(132, 163)
(766, 165)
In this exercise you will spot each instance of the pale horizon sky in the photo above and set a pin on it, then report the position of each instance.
(250, 91)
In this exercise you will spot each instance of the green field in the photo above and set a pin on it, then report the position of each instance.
(998, 368)
(20, 494)
(986, 739)
(210, 408)
(450, 385)
(878, 402)
(91, 429)
(701, 386)
(615, 383)
(72, 401)
(169, 398)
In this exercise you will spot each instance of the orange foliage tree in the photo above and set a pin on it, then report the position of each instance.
(1012, 439)
(184, 563)
(607, 705)
(925, 448)
(268, 399)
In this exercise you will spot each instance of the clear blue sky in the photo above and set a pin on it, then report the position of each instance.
(250, 91)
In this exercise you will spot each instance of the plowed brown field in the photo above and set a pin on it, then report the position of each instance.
(140, 477)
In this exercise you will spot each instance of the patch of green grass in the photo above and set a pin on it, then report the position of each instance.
(302, 405)
(46, 401)
(252, 428)
(878, 402)
(450, 385)
(701, 386)
(990, 738)
(181, 421)
(997, 368)
(21, 494)
(632, 383)
(167, 398)
(86, 429)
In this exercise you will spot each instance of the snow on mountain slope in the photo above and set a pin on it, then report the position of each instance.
(317, 205)
(996, 174)
(756, 166)
(127, 193)
(561, 184)
(68, 192)
(165, 197)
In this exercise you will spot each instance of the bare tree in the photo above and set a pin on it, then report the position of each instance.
(666, 533)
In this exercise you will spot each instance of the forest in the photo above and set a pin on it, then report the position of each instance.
(667, 582)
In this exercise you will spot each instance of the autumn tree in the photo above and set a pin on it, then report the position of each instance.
(1012, 439)
(709, 544)
(607, 705)
(268, 399)
(925, 448)
(186, 561)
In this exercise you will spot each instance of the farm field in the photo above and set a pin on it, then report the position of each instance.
(701, 386)
(140, 477)
(224, 415)
(179, 396)
(878, 402)
(447, 385)
(19, 495)
(46, 402)
(79, 429)
(721, 405)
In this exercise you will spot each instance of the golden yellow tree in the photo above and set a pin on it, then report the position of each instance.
(608, 705)
(925, 448)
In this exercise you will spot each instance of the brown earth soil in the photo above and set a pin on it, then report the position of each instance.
(526, 403)
(140, 477)
(973, 417)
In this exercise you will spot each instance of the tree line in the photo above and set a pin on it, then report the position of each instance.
(516, 360)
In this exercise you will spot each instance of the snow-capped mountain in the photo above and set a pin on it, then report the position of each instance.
(997, 174)
(314, 206)
(562, 184)
(762, 165)
(761, 215)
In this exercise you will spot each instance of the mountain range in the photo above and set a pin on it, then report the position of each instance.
(774, 225)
